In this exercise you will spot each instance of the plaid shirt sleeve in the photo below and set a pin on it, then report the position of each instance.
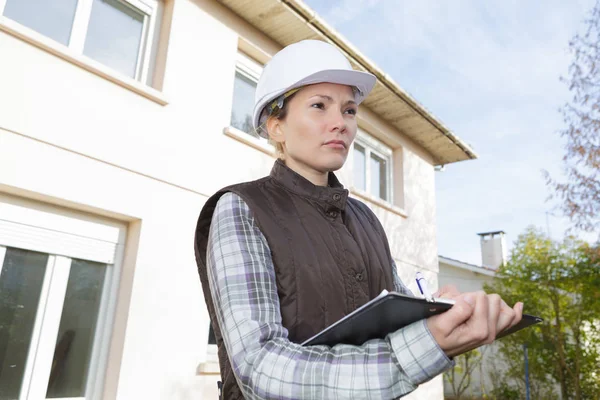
(266, 364)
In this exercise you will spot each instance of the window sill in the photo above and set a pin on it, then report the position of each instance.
(379, 202)
(208, 368)
(249, 140)
(46, 44)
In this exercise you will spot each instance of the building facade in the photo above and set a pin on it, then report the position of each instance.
(118, 118)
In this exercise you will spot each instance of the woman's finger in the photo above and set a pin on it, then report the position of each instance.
(477, 327)
(495, 307)
(506, 317)
(518, 309)
(447, 292)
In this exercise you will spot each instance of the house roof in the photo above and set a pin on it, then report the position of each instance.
(469, 267)
(289, 21)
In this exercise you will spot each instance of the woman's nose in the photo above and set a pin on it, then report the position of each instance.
(338, 122)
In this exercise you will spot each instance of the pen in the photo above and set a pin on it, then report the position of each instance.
(422, 284)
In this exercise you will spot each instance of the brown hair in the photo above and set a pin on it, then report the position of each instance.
(280, 114)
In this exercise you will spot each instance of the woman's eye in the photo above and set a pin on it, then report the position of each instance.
(351, 111)
(320, 106)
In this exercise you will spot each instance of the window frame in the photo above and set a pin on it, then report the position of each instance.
(247, 66)
(79, 28)
(374, 146)
(56, 223)
(210, 366)
(252, 70)
(211, 348)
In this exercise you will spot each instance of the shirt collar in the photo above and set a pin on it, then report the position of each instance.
(332, 196)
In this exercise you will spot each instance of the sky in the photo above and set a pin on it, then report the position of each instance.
(490, 71)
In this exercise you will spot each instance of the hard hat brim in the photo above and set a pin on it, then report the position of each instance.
(363, 81)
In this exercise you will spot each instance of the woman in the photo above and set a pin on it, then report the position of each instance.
(283, 257)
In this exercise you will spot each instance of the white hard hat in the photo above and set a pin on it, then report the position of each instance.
(306, 63)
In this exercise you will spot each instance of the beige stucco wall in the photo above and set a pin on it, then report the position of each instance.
(71, 137)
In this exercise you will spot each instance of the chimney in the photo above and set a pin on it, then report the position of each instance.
(493, 249)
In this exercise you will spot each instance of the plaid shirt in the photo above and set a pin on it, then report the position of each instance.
(266, 364)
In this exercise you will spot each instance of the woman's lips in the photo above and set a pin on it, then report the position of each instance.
(336, 144)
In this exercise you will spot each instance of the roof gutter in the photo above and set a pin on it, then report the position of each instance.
(469, 267)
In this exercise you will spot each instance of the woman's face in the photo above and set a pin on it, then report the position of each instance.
(319, 128)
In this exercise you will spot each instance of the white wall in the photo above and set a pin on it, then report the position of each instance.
(464, 280)
(71, 137)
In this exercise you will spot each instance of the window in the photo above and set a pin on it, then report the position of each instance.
(211, 365)
(379, 176)
(52, 18)
(211, 350)
(244, 86)
(211, 336)
(57, 276)
(372, 170)
(116, 33)
(360, 167)
(114, 37)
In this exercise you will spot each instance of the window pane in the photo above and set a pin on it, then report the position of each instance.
(52, 18)
(76, 333)
(114, 35)
(243, 103)
(21, 281)
(359, 167)
(379, 177)
(211, 336)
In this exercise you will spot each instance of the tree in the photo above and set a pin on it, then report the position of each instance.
(558, 281)
(580, 194)
(460, 377)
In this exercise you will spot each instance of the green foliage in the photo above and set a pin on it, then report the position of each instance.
(506, 392)
(560, 282)
(460, 377)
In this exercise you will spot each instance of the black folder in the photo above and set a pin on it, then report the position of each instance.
(387, 313)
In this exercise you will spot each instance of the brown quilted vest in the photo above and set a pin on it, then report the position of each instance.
(330, 253)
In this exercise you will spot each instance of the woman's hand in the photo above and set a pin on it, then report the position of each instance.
(475, 319)
(447, 292)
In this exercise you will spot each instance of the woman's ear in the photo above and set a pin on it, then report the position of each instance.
(275, 130)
